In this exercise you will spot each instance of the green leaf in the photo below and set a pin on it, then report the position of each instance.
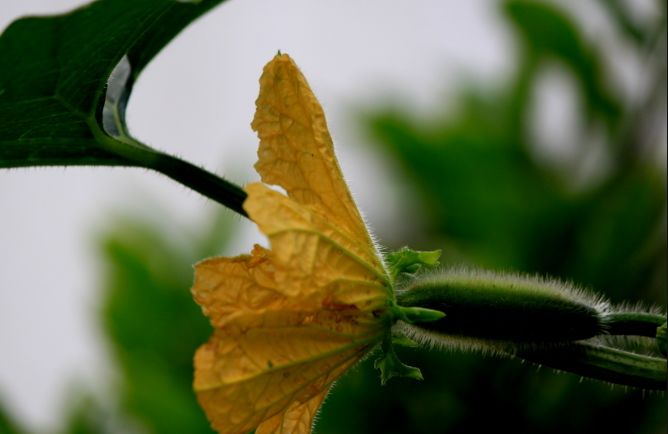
(65, 81)
(54, 77)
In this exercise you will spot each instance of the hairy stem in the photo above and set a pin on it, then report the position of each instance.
(196, 178)
(634, 323)
(203, 182)
(602, 363)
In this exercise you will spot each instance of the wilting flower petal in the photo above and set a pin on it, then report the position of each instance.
(290, 320)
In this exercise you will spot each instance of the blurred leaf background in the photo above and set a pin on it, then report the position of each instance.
(489, 195)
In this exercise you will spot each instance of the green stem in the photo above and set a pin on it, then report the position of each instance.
(633, 323)
(206, 183)
(602, 363)
(203, 182)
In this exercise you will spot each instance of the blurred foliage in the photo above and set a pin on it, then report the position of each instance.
(496, 206)
(7, 423)
(153, 327)
(153, 323)
(85, 415)
(488, 202)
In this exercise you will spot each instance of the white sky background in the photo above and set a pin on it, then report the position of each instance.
(196, 100)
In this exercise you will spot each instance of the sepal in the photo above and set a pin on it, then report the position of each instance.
(408, 261)
(390, 366)
(414, 314)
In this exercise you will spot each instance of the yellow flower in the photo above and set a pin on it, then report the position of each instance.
(290, 320)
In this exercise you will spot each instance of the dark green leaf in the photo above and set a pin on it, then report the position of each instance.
(54, 77)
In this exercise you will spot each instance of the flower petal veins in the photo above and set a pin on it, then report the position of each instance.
(289, 320)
